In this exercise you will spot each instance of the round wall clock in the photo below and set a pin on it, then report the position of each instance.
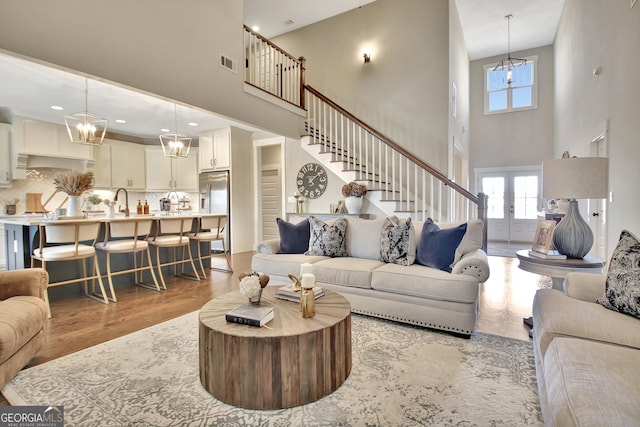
(311, 180)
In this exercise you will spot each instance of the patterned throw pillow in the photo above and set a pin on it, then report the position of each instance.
(398, 241)
(294, 238)
(622, 292)
(437, 246)
(328, 240)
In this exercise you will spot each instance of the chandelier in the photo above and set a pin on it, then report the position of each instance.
(86, 127)
(509, 63)
(175, 144)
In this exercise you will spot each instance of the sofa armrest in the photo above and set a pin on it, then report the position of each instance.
(27, 282)
(271, 246)
(474, 263)
(585, 286)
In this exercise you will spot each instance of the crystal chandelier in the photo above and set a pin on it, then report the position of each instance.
(175, 144)
(86, 127)
(509, 63)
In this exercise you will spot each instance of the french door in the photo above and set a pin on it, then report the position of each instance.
(513, 205)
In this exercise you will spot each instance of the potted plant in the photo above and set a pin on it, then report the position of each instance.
(74, 183)
(353, 193)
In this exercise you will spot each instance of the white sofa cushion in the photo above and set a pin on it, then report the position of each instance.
(556, 314)
(282, 264)
(346, 271)
(363, 237)
(591, 383)
(417, 280)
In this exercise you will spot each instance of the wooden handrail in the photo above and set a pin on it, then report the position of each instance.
(271, 44)
(436, 173)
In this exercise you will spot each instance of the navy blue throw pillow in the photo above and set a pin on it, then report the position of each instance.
(437, 246)
(294, 238)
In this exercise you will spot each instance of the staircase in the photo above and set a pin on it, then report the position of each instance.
(398, 182)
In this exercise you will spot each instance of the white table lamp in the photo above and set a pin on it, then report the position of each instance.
(574, 178)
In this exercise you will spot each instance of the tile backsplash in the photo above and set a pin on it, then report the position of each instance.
(41, 181)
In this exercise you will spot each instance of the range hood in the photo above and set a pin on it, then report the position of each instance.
(32, 161)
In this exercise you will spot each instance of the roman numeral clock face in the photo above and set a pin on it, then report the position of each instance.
(311, 180)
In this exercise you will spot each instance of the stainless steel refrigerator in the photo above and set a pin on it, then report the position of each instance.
(215, 198)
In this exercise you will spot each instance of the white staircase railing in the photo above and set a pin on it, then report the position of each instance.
(273, 70)
(410, 185)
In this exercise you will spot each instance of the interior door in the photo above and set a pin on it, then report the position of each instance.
(513, 204)
(596, 215)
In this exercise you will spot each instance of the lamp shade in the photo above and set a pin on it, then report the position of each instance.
(575, 178)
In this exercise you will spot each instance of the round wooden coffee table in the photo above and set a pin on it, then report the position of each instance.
(292, 362)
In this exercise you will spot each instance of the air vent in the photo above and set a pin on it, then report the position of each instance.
(228, 63)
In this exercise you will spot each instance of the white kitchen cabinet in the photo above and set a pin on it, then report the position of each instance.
(128, 166)
(215, 150)
(46, 139)
(168, 173)
(5, 155)
(102, 165)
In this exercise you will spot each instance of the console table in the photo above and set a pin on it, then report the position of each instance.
(326, 216)
(557, 269)
(292, 362)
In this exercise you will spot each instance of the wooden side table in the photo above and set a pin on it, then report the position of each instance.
(557, 269)
(293, 362)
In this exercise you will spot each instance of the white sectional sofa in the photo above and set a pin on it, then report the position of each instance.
(587, 357)
(413, 294)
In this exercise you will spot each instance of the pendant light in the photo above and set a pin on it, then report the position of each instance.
(175, 144)
(86, 127)
(509, 63)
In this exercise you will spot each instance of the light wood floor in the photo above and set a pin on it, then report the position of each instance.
(78, 323)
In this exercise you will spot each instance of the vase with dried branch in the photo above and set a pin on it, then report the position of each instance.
(74, 183)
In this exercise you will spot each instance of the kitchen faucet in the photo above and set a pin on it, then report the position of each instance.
(126, 200)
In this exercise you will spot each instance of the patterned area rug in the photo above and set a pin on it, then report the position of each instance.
(401, 375)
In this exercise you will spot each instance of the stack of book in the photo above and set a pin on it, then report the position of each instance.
(287, 293)
(254, 315)
(551, 254)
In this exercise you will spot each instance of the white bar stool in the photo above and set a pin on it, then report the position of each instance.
(211, 228)
(171, 232)
(123, 236)
(68, 237)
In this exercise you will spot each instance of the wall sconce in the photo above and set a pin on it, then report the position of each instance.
(367, 57)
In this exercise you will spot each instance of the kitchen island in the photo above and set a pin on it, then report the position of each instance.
(22, 238)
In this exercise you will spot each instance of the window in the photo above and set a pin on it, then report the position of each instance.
(499, 97)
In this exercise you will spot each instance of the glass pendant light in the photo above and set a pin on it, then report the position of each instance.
(175, 144)
(85, 127)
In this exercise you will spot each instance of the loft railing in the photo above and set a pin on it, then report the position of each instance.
(415, 186)
(273, 70)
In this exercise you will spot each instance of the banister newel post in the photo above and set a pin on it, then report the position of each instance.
(482, 215)
(302, 81)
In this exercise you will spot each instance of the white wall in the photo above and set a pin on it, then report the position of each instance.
(605, 34)
(404, 91)
(520, 138)
(458, 101)
(164, 47)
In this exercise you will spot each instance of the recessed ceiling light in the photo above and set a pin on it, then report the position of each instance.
(121, 121)
(255, 28)
(194, 124)
(57, 108)
(164, 130)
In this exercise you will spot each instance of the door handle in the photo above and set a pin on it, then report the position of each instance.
(596, 214)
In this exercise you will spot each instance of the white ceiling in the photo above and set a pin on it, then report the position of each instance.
(29, 89)
(534, 24)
